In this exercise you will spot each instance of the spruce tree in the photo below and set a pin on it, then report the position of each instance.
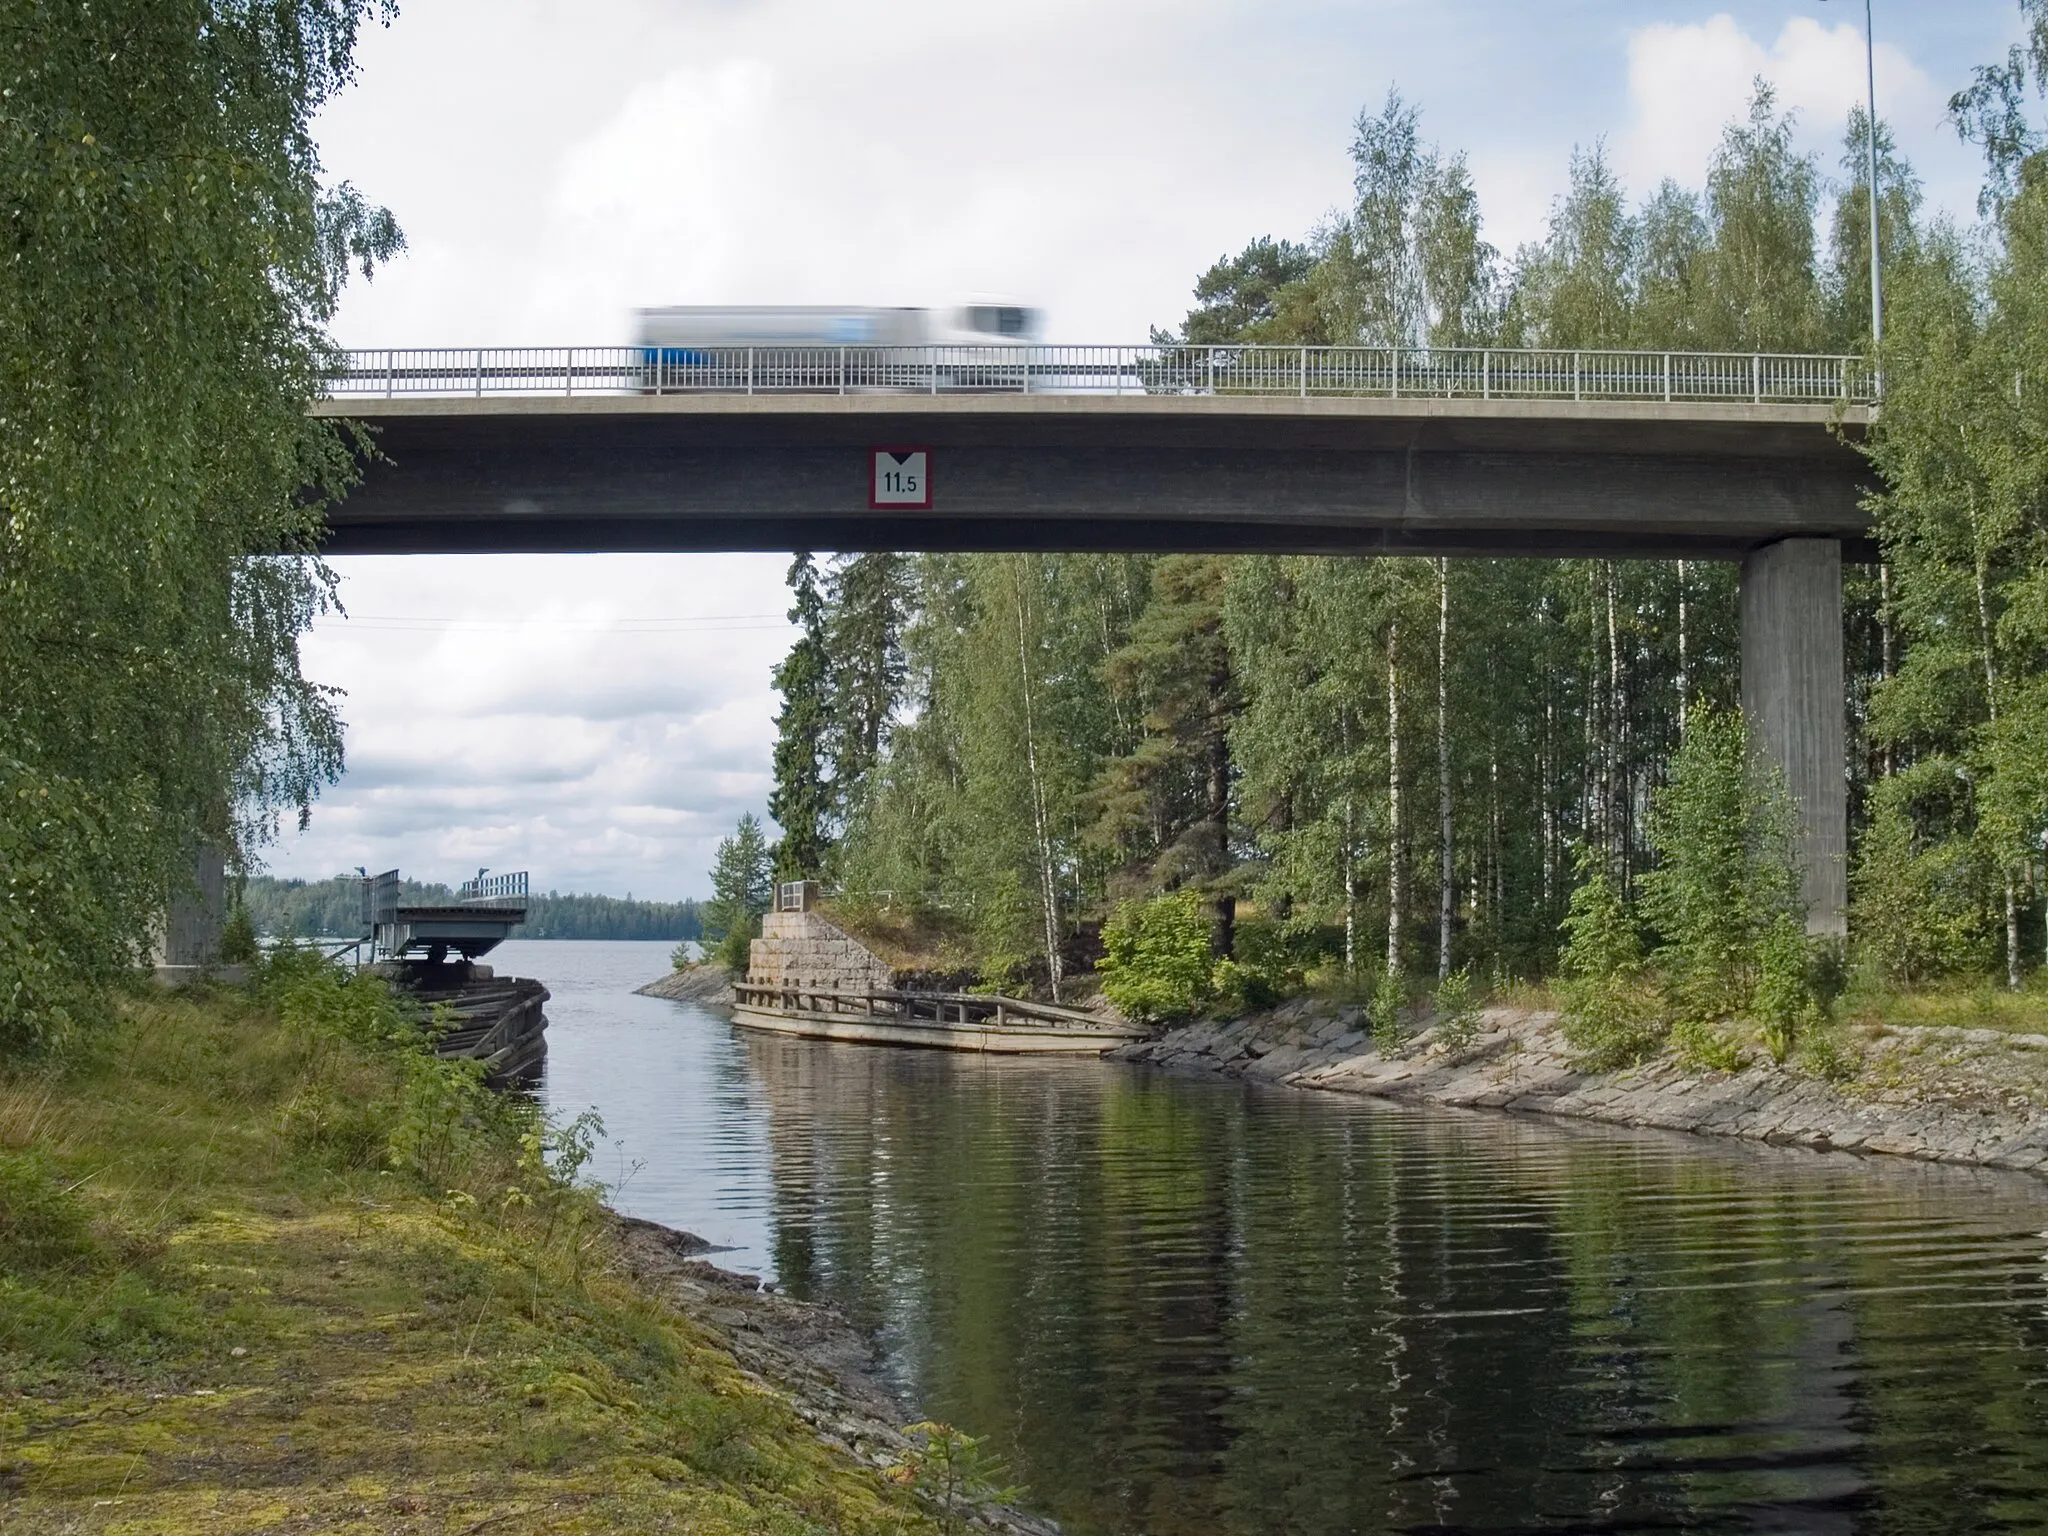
(801, 801)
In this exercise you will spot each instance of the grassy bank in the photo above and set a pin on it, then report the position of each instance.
(265, 1264)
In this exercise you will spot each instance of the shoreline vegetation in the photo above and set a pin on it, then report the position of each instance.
(1962, 1094)
(268, 1264)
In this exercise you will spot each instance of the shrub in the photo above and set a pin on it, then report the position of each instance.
(1919, 908)
(1457, 1010)
(1607, 1018)
(1723, 830)
(1156, 964)
(238, 937)
(1389, 1000)
(1784, 1004)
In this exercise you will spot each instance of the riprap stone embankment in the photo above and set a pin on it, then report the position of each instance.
(1950, 1095)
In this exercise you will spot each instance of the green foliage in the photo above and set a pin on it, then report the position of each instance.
(742, 888)
(1457, 1010)
(70, 883)
(1386, 1012)
(1726, 880)
(1784, 1004)
(800, 802)
(1920, 908)
(1156, 963)
(238, 937)
(951, 1474)
(173, 260)
(1705, 1046)
(1608, 1019)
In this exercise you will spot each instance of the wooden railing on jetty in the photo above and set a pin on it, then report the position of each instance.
(959, 1008)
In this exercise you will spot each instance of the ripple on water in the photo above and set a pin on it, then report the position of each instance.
(1182, 1306)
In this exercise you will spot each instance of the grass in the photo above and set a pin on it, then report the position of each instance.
(1968, 1002)
(909, 937)
(266, 1265)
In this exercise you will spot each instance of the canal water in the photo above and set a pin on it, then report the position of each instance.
(1180, 1307)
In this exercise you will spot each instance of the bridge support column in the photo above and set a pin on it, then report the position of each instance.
(192, 925)
(1794, 699)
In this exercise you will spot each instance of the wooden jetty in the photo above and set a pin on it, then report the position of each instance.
(431, 950)
(806, 976)
(948, 1021)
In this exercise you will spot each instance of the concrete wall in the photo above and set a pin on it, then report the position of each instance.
(1793, 695)
(1217, 473)
(191, 931)
(801, 949)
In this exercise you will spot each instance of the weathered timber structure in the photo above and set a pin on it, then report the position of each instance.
(474, 1014)
(806, 976)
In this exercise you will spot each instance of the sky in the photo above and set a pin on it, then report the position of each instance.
(603, 720)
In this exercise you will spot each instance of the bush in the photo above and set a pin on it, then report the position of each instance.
(1607, 1019)
(1457, 1010)
(238, 937)
(1784, 1004)
(1156, 964)
(1723, 829)
(1919, 908)
(1383, 1013)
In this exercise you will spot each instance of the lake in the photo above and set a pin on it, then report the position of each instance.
(1178, 1306)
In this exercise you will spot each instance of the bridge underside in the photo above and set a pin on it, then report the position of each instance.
(1215, 474)
(1774, 486)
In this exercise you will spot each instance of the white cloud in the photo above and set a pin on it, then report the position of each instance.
(1686, 82)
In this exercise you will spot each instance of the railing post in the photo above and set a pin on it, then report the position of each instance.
(1577, 364)
(1486, 374)
(750, 370)
(1304, 373)
(1024, 378)
(479, 372)
(1756, 376)
(390, 371)
(932, 360)
(569, 373)
(1667, 378)
(842, 370)
(1396, 372)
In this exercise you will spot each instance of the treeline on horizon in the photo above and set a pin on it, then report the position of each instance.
(1409, 766)
(333, 908)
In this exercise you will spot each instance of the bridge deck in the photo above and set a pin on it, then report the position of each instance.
(1330, 474)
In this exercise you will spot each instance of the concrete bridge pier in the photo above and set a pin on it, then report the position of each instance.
(1795, 701)
(190, 938)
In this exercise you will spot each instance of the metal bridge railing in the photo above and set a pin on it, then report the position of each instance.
(494, 890)
(1472, 373)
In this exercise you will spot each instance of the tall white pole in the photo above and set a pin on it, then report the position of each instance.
(1870, 146)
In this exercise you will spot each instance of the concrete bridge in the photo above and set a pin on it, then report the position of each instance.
(1742, 457)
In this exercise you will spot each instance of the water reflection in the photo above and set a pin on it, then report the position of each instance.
(1180, 1307)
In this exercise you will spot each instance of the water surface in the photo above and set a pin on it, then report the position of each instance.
(1179, 1307)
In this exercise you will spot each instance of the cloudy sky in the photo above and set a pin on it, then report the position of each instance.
(602, 720)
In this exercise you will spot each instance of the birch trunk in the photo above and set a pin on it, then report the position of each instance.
(1446, 898)
(1397, 872)
(1048, 876)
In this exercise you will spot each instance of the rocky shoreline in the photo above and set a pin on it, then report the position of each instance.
(1948, 1095)
(808, 1353)
(708, 984)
